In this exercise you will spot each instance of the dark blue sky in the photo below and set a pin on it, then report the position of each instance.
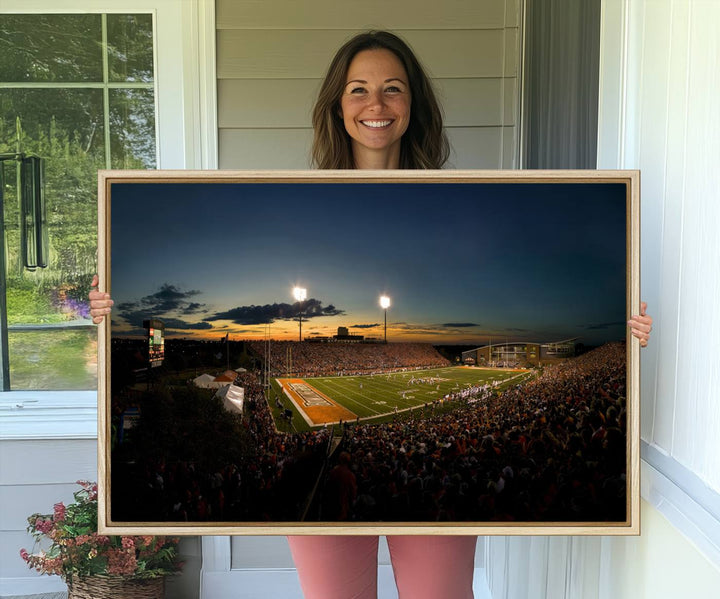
(460, 262)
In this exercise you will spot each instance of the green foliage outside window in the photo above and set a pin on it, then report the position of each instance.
(82, 105)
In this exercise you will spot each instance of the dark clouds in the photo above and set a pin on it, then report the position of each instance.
(269, 313)
(170, 298)
(460, 325)
(167, 304)
(176, 323)
(365, 326)
(193, 308)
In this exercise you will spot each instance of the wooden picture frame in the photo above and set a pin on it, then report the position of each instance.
(532, 432)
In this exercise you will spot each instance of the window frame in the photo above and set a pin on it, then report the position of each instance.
(186, 138)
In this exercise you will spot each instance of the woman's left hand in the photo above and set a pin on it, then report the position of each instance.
(100, 302)
(641, 325)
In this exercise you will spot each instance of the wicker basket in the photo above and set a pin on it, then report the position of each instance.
(116, 587)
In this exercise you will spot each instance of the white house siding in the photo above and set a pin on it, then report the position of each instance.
(34, 475)
(271, 58)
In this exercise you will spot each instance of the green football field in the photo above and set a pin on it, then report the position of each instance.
(375, 398)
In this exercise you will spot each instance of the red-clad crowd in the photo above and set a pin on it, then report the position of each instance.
(553, 449)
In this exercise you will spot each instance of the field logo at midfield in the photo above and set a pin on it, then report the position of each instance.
(309, 395)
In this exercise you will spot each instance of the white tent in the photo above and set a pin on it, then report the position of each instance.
(205, 381)
(232, 397)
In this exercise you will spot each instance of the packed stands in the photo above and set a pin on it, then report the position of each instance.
(552, 449)
(343, 359)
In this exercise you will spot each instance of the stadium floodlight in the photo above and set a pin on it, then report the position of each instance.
(385, 304)
(300, 294)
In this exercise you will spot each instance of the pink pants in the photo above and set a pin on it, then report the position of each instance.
(345, 567)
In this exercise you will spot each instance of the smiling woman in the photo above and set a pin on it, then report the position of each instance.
(364, 104)
(375, 108)
(349, 135)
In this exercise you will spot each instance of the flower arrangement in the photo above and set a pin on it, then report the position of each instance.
(77, 551)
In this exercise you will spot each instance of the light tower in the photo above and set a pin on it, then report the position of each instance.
(300, 293)
(385, 304)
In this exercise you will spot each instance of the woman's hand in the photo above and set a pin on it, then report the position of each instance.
(100, 303)
(641, 325)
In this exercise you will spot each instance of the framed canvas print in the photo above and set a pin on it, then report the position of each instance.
(369, 352)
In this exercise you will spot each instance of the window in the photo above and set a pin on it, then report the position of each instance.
(78, 91)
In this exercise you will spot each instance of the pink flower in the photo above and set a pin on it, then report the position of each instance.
(72, 554)
(121, 562)
(92, 492)
(43, 526)
(53, 565)
(59, 509)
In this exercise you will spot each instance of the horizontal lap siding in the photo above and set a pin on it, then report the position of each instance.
(306, 54)
(354, 14)
(471, 147)
(34, 475)
(271, 58)
(287, 103)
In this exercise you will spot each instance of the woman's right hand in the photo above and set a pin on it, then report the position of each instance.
(100, 303)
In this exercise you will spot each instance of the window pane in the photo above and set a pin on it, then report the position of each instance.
(130, 47)
(53, 121)
(52, 344)
(132, 128)
(50, 48)
(54, 359)
(65, 128)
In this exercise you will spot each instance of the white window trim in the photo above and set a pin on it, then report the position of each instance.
(678, 493)
(186, 125)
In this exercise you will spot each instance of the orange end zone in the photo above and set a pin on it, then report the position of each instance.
(315, 407)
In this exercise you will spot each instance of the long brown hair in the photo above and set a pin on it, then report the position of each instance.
(424, 144)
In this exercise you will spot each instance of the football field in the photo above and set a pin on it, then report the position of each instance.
(321, 400)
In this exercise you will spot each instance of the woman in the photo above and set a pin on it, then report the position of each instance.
(377, 110)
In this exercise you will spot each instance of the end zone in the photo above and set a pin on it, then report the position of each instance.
(315, 407)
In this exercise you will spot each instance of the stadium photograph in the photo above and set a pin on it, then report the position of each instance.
(367, 353)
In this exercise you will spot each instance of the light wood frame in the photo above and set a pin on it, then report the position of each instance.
(631, 526)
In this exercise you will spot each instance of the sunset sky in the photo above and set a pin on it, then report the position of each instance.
(461, 262)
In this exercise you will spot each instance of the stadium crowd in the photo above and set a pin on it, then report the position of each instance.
(272, 480)
(552, 449)
(345, 359)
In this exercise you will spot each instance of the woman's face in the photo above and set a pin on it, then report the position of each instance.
(375, 104)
